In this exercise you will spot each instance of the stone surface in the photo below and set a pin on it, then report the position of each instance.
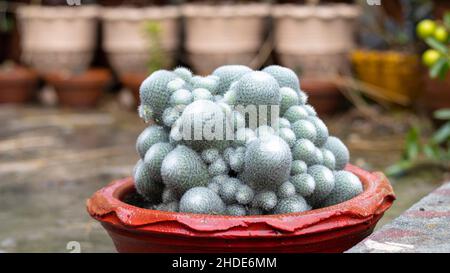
(423, 228)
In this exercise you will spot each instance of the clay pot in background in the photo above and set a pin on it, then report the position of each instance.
(323, 95)
(331, 229)
(58, 38)
(399, 74)
(132, 82)
(437, 93)
(80, 90)
(315, 40)
(223, 34)
(126, 42)
(17, 84)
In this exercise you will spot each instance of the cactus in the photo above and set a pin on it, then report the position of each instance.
(291, 204)
(288, 164)
(285, 76)
(151, 135)
(347, 186)
(153, 92)
(229, 74)
(201, 200)
(267, 162)
(183, 169)
(339, 150)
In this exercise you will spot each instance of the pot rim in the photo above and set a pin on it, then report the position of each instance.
(195, 10)
(129, 13)
(324, 12)
(57, 12)
(106, 206)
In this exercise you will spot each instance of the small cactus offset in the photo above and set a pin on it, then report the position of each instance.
(202, 153)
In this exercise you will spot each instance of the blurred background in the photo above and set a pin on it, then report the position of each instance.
(70, 72)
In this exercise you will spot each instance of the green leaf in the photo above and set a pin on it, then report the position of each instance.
(442, 114)
(431, 151)
(442, 135)
(412, 143)
(398, 168)
(440, 68)
(446, 20)
(435, 44)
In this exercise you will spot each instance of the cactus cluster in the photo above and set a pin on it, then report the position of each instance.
(288, 164)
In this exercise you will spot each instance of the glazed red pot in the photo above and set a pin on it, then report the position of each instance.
(331, 229)
(17, 84)
(80, 90)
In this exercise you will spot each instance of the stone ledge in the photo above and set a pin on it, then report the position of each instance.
(425, 227)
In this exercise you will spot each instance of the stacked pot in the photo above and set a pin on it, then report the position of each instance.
(128, 46)
(223, 34)
(59, 43)
(315, 39)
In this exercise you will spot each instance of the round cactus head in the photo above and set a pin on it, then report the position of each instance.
(339, 150)
(285, 76)
(154, 93)
(267, 162)
(204, 125)
(201, 200)
(183, 169)
(228, 74)
(151, 135)
(347, 186)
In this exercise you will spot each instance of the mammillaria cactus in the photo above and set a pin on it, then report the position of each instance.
(203, 155)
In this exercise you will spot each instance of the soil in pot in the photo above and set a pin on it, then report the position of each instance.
(81, 90)
(17, 84)
(323, 95)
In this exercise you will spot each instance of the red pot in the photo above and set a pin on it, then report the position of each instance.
(323, 95)
(133, 82)
(80, 90)
(17, 84)
(331, 229)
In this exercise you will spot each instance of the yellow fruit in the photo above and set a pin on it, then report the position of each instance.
(430, 57)
(426, 28)
(441, 34)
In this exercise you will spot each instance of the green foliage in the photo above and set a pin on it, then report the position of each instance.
(157, 55)
(432, 151)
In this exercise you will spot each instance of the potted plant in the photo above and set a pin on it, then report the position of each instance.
(437, 58)
(219, 34)
(17, 83)
(138, 36)
(315, 38)
(389, 59)
(57, 37)
(211, 180)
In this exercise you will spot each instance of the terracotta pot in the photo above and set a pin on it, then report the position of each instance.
(83, 90)
(397, 73)
(315, 39)
(57, 38)
(323, 95)
(125, 39)
(132, 82)
(17, 84)
(437, 93)
(332, 229)
(223, 34)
